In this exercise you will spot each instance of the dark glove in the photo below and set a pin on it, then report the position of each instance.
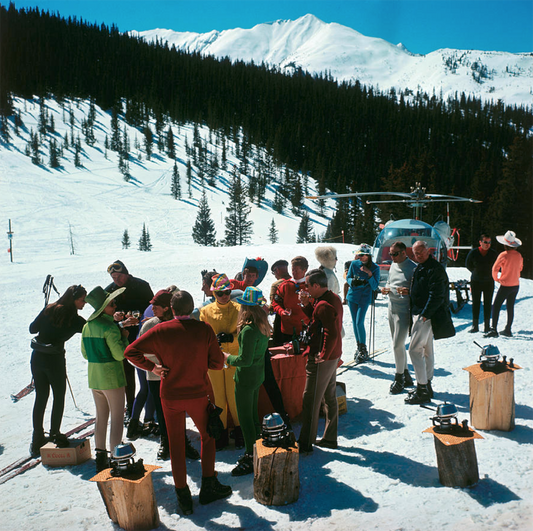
(223, 337)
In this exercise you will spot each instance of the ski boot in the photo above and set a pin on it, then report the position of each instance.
(419, 396)
(184, 500)
(245, 466)
(361, 356)
(398, 385)
(212, 490)
(407, 380)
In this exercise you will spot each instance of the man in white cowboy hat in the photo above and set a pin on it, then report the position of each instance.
(506, 271)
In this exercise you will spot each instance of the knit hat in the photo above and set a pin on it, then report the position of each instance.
(99, 299)
(117, 267)
(364, 248)
(221, 282)
(162, 298)
(509, 239)
(252, 296)
(279, 263)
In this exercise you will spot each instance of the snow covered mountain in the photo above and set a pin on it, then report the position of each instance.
(347, 55)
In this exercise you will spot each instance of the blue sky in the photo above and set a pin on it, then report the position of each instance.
(421, 25)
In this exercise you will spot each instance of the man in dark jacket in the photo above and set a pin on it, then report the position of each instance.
(135, 298)
(479, 262)
(323, 353)
(431, 318)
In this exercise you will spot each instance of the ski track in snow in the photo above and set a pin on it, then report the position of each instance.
(384, 474)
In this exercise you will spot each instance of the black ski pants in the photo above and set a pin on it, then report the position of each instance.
(48, 371)
(486, 289)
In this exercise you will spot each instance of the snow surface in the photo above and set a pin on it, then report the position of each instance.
(347, 55)
(384, 474)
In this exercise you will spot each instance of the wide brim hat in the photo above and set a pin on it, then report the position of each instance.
(509, 239)
(221, 282)
(252, 296)
(98, 298)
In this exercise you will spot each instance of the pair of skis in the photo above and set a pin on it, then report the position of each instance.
(26, 463)
(345, 366)
(24, 392)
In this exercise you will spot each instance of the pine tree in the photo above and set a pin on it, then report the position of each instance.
(238, 227)
(175, 186)
(126, 240)
(54, 154)
(144, 241)
(171, 148)
(34, 148)
(305, 230)
(189, 177)
(115, 143)
(203, 232)
(279, 201)
(4, 129)
(77, 153)
(273, 233)
(148, 141)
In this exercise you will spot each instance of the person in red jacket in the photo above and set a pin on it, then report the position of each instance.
(187, 349)
(286, 302)
(323, 353)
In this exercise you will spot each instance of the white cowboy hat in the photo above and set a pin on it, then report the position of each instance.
(509, 239)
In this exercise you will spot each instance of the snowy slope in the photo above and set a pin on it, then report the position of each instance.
(318, 47)
(383, 476)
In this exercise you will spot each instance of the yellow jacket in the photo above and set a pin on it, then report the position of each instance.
(223, 318)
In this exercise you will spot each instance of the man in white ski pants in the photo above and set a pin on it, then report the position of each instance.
(397, 288)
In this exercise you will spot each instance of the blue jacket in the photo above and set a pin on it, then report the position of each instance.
(362, 294)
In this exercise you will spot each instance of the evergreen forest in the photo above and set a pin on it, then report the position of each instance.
(348, 137)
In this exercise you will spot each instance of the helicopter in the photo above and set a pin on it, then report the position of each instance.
(440, 237)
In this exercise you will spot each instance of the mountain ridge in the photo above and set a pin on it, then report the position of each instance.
(349, 56)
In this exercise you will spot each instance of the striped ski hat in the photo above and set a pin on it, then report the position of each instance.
(220, 282)
(252, 296)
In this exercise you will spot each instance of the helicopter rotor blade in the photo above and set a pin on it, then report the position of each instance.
(451, 198)
(355, 194)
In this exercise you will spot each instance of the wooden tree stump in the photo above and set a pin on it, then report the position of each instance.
(276, 477)
(492, 405)
(456, 459)
(130, 503)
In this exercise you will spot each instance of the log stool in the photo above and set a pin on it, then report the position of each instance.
(456, 458)
(130, 503)
(276, 477)
(492, 398)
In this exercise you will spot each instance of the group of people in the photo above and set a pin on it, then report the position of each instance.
(487, 267)
(189, 358)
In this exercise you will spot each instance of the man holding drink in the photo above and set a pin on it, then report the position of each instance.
(397, 288)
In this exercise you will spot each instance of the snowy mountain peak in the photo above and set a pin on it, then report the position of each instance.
(347, 55)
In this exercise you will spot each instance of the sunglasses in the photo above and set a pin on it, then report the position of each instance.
(223, 293)
(486, 243)
(395, 254)
(78, 292)
(114, 268)
(112, 303)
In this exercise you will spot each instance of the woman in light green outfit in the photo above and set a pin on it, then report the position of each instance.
(254, 330)
(103, 344)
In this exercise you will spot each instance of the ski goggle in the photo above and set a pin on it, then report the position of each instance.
(115, 268)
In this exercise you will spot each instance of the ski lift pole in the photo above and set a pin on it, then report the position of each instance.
(10, 238)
